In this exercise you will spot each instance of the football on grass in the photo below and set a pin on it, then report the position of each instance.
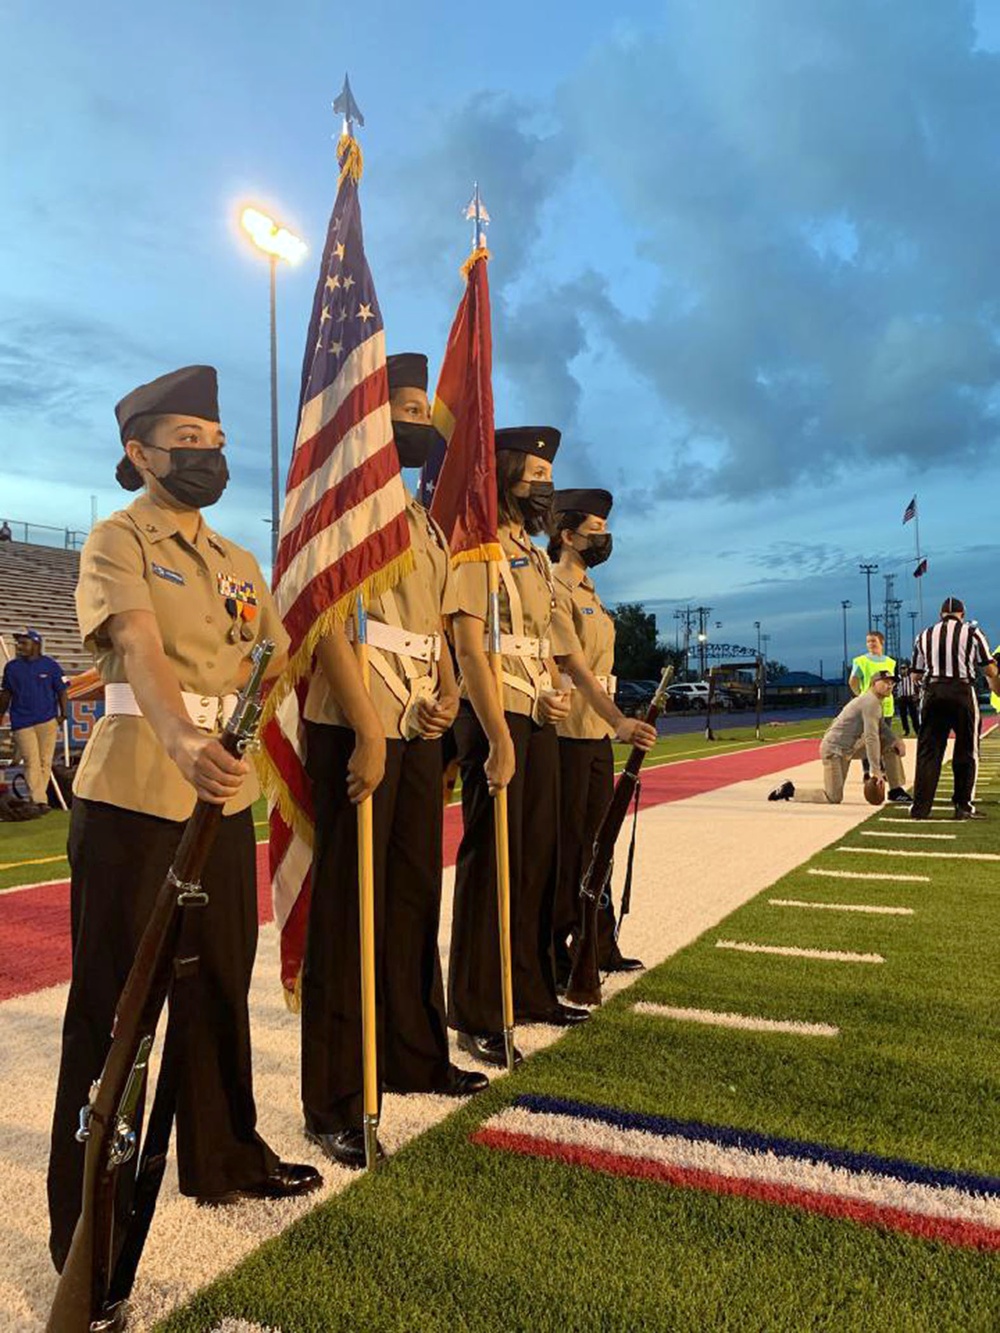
(874, 789)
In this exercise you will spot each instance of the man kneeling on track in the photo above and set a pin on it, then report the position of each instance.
(858, 729)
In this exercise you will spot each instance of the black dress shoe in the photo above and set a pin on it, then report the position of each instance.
(463, 1082)
(619, 963)
(488, 1047)
(286, 1181)
(969, 812)
(346, 1147)
(562, 1016)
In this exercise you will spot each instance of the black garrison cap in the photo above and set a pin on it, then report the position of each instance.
(594, 501)
(541, 441)
(407, 370)
(190, 391)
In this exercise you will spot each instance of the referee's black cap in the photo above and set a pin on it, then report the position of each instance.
(953, 606)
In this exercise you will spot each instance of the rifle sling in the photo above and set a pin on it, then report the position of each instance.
(629, 864)
(156, 1141)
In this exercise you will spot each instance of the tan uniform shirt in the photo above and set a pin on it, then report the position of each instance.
(137, 561)
(417, 604)
(594, 635)
(541, 618)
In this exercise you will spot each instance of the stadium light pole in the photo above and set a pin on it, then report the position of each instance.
(868, 571)
(277, 242)
(844, 607)
(756, 625)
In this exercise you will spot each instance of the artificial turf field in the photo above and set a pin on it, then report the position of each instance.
(452, 1234)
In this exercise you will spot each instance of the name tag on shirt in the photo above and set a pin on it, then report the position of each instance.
(520, 562)
(171, 575)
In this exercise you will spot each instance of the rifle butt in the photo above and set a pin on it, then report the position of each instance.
(584, 985)
(72, 1309)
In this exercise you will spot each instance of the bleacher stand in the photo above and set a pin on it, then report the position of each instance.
(36, 588)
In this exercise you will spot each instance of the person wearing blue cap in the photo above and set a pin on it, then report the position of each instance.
(35, 692)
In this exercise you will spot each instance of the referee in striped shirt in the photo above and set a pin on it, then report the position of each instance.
(947, 656)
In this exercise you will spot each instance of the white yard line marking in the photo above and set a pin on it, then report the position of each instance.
(864, 874)
(789, 951)
(939, 837)
(905, 819)
(905, 851)
(842, 907)
(746, 1022)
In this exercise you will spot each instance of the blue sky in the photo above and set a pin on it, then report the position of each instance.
(746, 256)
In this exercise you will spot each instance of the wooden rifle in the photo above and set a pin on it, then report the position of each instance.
(97, 1276)
(584, 985)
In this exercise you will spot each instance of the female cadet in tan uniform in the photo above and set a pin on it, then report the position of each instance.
(387, 744)
(515, 746)
(586, 764)
(170, 610)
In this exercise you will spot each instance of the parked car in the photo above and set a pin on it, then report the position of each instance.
(692, 694)
(633, 697)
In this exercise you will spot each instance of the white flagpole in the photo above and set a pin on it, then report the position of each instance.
(920, 586)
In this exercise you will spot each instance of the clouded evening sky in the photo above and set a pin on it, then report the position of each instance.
(746, 257)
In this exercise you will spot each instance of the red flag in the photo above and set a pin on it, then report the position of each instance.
(465, 494)
(343, 531)
(920, 570)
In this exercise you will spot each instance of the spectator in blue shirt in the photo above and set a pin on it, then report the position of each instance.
(33, 689)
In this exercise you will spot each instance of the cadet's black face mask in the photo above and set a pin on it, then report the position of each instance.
(197, 477)
(597, 550)
(415, 442)
(536, 506)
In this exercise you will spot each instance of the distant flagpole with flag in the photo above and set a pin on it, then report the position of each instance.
(464, 503)
(921, 567)
(343, 528)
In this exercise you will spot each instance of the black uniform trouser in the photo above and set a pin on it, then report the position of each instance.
(118, 861)
(949, 705)
(586, 785)
(474, 996)
(412, 1036)
(908, 713)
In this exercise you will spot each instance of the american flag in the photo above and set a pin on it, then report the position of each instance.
(343, 529)
(910, 511)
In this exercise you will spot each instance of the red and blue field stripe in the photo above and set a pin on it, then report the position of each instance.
(953, 1207)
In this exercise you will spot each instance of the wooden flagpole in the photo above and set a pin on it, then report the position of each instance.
(366, 903)
(501, 832)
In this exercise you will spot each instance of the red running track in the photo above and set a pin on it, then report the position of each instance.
(34, 922)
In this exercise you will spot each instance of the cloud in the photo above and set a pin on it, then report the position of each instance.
(814, 187)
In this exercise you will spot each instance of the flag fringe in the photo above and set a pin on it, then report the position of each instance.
(293, 995)
(487, 551)
(473, 259)
(350, 157)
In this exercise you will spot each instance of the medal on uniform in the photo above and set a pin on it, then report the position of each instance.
(240, 600)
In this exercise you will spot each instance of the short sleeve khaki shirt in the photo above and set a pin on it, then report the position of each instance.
(417, 603)
(594, 635)
(529, 568)
(136, 560)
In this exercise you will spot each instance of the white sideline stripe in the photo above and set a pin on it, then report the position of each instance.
(863, 874)
(744, 1164)
(748, 1022)
(905, 851)
(842, 907)
(790, 951)
(939, 837)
